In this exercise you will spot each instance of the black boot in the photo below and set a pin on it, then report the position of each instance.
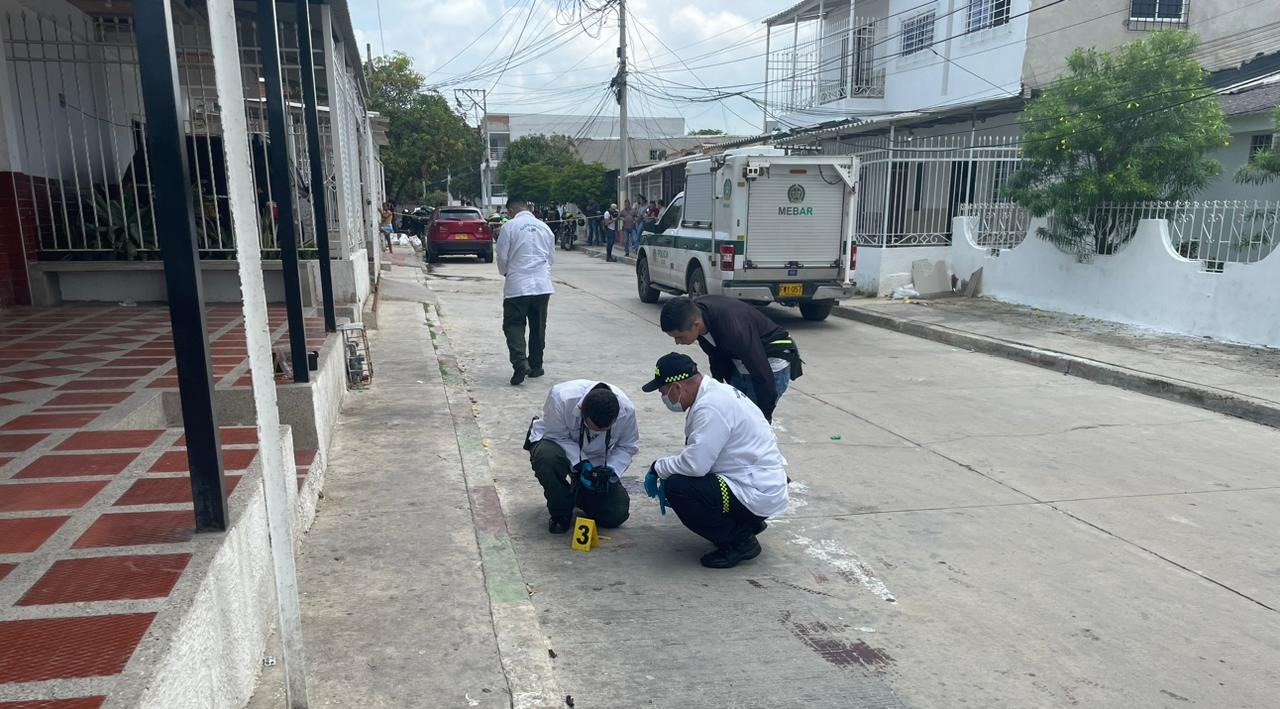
(730, 556)
(559, 525)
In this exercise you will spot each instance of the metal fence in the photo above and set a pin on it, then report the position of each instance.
(910, 189)
(347, 119)
(1214, 232)
(997, 225)
(1218, 232)
(82, 136)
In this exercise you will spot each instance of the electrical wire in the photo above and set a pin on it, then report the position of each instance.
(1219, 44)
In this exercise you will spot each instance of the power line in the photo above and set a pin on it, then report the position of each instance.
(472, 43)
(1224, 42)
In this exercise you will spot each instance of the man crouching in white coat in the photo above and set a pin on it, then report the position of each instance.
(730, 475)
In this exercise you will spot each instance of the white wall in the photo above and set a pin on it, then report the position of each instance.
(876, 266)
(1146, 284)
(964, 73)
(351, 279)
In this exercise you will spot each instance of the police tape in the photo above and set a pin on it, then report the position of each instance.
(569, 219)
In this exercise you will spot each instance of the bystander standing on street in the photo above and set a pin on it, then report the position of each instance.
(525, 253)
(593, 223)
(388, 216)
(651, 214)
(630, 217)
(611, 221)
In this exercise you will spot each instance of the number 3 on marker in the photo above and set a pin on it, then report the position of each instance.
(584, 537)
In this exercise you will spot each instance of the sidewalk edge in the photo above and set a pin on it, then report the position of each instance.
(1204, 397)
(522, 645)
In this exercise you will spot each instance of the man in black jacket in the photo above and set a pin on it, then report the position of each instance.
(747, 350)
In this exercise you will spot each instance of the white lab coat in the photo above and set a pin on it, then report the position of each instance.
(525, 252)
(726, 434)
(562, 422)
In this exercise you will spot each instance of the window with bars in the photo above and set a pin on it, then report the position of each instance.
(1166, 11)
(1260, 142)
(988, 13)
(917, 33)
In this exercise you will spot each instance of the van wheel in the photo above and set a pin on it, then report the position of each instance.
(648, 294)
(696, 282)
(432, 256)
(816, 311)
(487, 257)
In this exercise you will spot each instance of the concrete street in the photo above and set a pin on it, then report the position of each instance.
(964, 531)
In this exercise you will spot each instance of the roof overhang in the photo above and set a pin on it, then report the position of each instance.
(800, 12)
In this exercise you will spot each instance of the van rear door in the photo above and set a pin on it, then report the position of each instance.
(796, 214)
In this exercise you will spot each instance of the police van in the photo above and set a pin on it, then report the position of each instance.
(758, 225)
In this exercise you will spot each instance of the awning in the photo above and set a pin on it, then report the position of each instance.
(801, 11)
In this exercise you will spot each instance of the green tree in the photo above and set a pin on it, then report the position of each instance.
(706, 131)
(534, 183)
(1129, 125)
(428, 140)
(1264, 166)
(580, 183)
(552, 150)
(435, 199)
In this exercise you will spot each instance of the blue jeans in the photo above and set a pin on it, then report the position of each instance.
(632, 239)
(742, 382)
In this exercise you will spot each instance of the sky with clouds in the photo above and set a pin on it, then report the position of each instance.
(563, 67)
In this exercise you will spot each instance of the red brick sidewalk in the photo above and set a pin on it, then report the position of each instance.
(96, 527)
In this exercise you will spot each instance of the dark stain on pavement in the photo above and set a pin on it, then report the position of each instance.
(487, 510)
(1179, 697)
(824, 640)
(798, 587)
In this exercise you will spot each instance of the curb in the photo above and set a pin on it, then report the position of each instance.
(1184, 392)
(522, 644)
(598, 252)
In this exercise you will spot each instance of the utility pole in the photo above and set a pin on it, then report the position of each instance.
(621, 83)
(479, 101)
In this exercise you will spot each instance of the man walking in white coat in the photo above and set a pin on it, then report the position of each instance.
(730, 475)
(525, 252)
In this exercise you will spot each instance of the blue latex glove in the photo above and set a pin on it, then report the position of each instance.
(655, 486)
(651, 483)
(585, 480)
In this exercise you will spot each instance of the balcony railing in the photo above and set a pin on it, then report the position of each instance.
(839, 63)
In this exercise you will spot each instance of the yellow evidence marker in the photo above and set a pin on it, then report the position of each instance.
(584, 534)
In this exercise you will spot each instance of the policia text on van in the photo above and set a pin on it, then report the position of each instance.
(756, 225)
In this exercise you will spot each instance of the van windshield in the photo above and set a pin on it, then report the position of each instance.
(671, 217)
(458, 215)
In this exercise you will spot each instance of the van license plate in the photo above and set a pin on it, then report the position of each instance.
(460, 237)
(790, 290)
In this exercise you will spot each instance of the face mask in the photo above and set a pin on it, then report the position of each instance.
(672, 405)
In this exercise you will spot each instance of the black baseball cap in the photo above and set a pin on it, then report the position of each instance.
(672, 367)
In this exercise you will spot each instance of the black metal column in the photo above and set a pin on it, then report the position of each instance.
(319, 195)
(175, 224)
(281, 178)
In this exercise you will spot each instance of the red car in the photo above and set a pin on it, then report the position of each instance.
(458, 231)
